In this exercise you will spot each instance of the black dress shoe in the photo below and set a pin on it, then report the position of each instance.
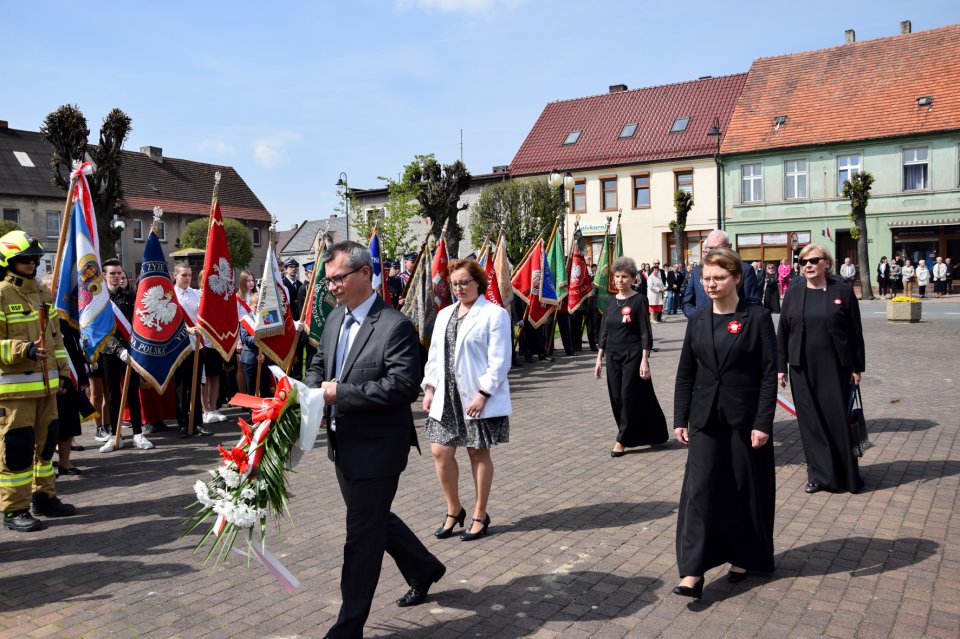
(21, 521)
(418, 594)
(617, 453)
(695, 591)
(735, 577)
(200, 430)
(443, 533)
(470, 536)
(812, 487)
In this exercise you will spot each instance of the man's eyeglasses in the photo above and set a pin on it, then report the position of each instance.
(810, 260)
(460, 283)
(338, 279)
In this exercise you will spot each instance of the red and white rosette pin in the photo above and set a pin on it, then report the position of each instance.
(625, 311)
(837, 301)
(734, 327)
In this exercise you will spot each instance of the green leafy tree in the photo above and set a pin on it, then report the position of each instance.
(682, 203)
(238, 239)
(438, 188)
(524, 208)
(401, 207)
(67, 131)
(857, 190)
(6, 226)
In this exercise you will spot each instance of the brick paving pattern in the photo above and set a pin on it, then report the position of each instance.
(582, 545)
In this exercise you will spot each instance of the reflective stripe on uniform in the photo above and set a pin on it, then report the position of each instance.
(19, 318)
(6, 350)
(27, 382)
(43, 470)
(13, 480)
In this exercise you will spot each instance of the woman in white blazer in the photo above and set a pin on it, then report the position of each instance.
(466, 393)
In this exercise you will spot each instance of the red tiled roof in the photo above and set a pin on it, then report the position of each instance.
(602, 117)
(858, 91)
(185, 186)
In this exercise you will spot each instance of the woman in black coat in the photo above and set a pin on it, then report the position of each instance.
(771, 289)
(724, 401)
(626, 339)
(821, 345)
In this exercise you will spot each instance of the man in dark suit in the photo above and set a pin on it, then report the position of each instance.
(369, 369)
(695, 297)
(675, 288)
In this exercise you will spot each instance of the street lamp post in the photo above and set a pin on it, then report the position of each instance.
(564, 182)
(342, 182)
(715, 133)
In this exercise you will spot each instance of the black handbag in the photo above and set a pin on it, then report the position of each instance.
(856, 422)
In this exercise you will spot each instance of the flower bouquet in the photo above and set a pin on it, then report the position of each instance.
(251, 479)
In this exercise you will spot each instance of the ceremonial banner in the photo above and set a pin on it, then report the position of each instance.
(378, 279)
(420, 305)
(319, 302)
(614, 256)
(534, 283)
(557, 261)
(601, 278)
(82, 298)
(273, 329)
(501, 266)
(158, 340)
(440, 275)
(580, 287)
(217, 318)
(493, 289)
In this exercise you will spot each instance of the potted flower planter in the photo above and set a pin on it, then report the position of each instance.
(904, 309)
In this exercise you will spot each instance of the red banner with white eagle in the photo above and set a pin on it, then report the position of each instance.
(217, 318)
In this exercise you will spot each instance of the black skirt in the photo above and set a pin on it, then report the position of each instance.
(727, 502)
(640, 420)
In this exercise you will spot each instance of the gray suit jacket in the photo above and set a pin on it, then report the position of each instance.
(379, 381)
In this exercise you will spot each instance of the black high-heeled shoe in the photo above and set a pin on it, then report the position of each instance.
(443, 533)
(470, 536)
(735, 577)
(695, 591)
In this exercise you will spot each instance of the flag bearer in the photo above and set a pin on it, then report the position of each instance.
(28, 406)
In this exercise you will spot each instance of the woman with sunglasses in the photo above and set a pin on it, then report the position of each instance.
(821, 345)
(724, 402)
(466, 393)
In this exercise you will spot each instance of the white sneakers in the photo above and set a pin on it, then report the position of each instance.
(213, 416)
(109, 447)
(141, 442)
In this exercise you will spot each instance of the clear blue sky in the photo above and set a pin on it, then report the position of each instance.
(293, 93)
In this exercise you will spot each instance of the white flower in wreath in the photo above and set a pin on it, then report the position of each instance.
(203, 495)
(158, 308)
(230, 477)
(248, 493)
(221, 282)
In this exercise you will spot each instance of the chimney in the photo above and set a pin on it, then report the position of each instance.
(294, 227)
(4, 124)
(906, 27)
(618, 88)
(849, 36)
(155, 153)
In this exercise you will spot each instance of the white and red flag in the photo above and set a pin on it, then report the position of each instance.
(273, 325)
(217, 318)
(440, 275)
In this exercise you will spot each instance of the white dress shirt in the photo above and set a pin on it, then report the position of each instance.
(189, 299)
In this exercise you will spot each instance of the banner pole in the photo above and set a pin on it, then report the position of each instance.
(123, 404)
(193, 383)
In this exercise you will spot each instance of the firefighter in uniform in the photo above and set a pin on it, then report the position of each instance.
(28, 407)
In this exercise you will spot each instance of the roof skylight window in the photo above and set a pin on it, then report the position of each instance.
(572, 137)
(679, 125)
(24, 159)
(628, 131)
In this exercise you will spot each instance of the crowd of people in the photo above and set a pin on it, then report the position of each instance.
(370, 369)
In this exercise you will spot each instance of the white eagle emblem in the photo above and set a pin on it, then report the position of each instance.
(158, 309)
(221, 282)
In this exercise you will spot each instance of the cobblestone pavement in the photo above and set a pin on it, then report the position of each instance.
(582, 545)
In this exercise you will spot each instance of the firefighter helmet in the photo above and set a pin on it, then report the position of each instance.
(18, 244)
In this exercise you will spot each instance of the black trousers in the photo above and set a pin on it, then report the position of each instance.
(563, 323)
(371, 530)
(578, 320)
(183, 379)
(114, 371)
(250, 373)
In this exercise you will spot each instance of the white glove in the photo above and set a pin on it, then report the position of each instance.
(298, 325)
(124, 356)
